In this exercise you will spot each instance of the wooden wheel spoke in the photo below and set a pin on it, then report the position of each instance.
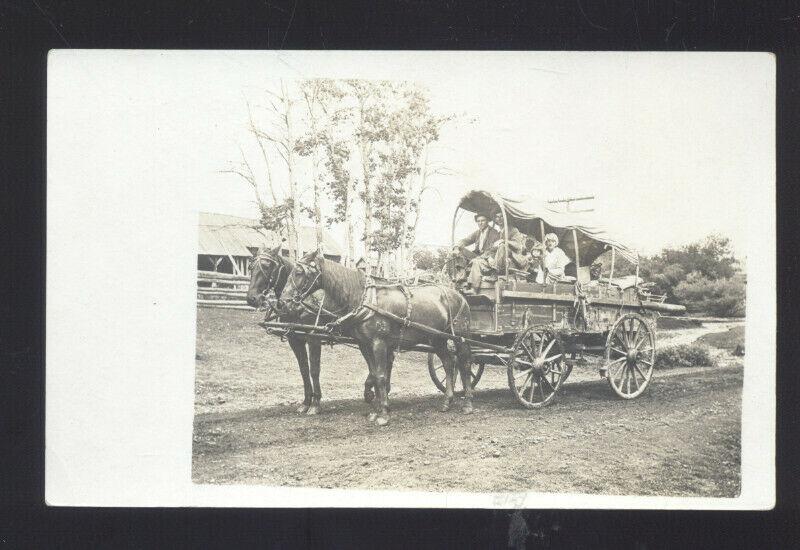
(549, 347)
(553, 358)
(541, 344)
(552, 387)
(523, 373)
(635, 366)
(541, 390)
(622, 371)
(633, 375)
(531, 355)
(525, 382)
(531, 387)
(618, 351)
(646, 362)
(641, 336)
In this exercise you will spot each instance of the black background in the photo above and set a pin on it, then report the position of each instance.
(28, 29)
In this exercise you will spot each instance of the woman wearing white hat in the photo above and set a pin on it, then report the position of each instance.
(554, 260)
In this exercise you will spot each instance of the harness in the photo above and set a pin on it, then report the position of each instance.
(367, 305)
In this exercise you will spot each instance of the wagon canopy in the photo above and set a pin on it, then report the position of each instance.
(529, 216)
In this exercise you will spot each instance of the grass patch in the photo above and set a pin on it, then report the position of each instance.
(727, 340)
(684, 356)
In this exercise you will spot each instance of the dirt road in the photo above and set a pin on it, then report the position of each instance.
(680, 438)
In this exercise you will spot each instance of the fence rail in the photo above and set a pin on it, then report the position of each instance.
(222, 290)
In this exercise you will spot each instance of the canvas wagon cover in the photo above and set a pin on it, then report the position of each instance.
(524, 214)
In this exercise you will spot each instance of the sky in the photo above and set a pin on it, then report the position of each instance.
(673, 146)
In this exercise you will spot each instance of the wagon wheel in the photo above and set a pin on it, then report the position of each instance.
(630, 355)
(436, 370)
(537, 368)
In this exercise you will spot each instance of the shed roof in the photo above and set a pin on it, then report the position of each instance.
(223, 234)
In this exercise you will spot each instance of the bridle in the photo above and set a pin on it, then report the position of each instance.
(301, 295)
(276, 273)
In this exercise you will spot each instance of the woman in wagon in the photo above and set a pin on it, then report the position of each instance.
(553, 262)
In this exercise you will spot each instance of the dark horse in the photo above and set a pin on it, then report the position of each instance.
(269, 271)
(378, 336)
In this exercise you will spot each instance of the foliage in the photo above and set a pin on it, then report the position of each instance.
(720, 297)
(711, 258)
(684, 356)
(429, 260)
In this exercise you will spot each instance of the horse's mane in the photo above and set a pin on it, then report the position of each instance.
(343, 285)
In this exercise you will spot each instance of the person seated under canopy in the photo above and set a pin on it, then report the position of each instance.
(553, 261)
(494, 258)
(474, 245)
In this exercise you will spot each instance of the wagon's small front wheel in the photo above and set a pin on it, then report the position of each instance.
(630, 355)
(536, 368)
(436, 370)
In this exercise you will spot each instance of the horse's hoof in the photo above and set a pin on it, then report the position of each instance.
(302, 409)
(313, 409)
(382, 421)
(369, 395)
(444, 407)
(372, 416)
(467, 409)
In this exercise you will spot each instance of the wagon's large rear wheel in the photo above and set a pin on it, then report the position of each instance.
(436, 370)
(536, 368)
(630, 355)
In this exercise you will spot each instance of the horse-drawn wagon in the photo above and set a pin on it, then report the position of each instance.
(538, 331)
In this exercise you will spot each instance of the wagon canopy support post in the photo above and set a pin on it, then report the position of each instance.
(505, 236)
(613, 257)
(577, 255)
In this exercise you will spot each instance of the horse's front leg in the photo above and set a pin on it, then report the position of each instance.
(299, 348)
(389, 365)
(447, 363)
(366, 351)
(463, 356)
(380, 354)
(369, 384)
(314, 355)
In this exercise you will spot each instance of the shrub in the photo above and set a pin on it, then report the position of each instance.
(720, 297)
(683, 356)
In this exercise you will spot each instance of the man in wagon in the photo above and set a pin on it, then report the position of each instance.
(493, 260)
(481, 242)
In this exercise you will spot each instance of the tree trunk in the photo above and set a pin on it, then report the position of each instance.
(294, 217)
(350, 253)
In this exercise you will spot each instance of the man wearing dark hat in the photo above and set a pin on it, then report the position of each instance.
(513, 251)
(481, 242)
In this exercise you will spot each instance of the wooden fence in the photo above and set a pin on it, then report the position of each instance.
(222, 290)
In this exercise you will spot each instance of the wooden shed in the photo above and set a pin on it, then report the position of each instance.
(226, 243)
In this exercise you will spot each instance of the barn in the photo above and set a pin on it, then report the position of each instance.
(226, 243)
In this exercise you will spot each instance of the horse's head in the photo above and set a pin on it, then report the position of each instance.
(266, 269)
(303, 281)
